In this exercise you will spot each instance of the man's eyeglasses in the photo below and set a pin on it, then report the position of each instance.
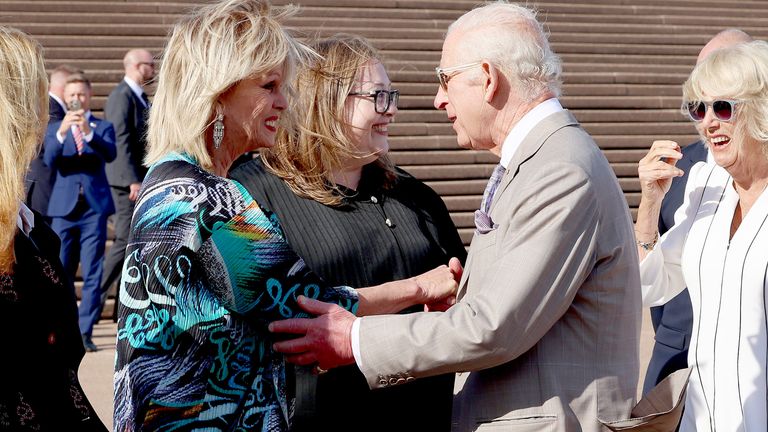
(445, 74)
(382, 99)
(723, 109)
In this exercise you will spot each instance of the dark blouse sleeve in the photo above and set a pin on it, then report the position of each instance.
(447, 236)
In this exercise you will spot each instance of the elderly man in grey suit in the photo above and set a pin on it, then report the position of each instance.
(544, 333)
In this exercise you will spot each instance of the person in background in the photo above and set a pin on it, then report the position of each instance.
(127, 108)
(673, 320)
(40, 177)
(77, 148)
(356, 220)
(716, 246)
(41, 341)
(206, 267)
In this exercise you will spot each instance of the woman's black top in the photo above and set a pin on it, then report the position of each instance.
(42, 346)
(378, 235)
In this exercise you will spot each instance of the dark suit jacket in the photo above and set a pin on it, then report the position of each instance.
(128, 115)
(74, 171)
(40, 177)
(673, 321)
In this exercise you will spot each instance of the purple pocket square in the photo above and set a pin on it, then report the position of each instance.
(483, 222)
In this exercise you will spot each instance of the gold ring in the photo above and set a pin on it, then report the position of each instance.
(318, 370)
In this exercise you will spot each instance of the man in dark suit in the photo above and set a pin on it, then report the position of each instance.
(77, 149)
(127, 108)
(673, 321)
(40, 177)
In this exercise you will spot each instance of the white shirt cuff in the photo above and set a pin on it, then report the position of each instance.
(355, 337)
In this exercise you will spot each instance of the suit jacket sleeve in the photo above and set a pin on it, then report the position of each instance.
(120, 112)
(103, 141)
(548, 252)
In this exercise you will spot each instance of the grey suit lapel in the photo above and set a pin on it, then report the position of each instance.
(530, 145)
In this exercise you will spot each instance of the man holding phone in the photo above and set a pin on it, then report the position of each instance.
(77, 148)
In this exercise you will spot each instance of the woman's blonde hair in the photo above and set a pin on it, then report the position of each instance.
(306, 158)
(739, 73)
(23, 116)
(208, 52)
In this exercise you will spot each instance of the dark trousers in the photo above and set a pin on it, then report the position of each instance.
(113, 263)
(83, 233)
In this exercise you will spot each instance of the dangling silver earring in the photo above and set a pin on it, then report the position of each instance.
(218, 131)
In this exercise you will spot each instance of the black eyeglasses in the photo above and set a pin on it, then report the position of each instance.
(382, 99)
(445, 74)
(723, 109)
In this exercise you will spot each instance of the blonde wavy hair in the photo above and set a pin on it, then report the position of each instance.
(306, 158)
(208, 52)
(23, 117)
(739, 72)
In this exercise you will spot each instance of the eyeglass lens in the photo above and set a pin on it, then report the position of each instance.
(384, 99)
(723, 110)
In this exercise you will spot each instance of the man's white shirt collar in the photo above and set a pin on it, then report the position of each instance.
(136, 89)
(58, 100)
(25, 219)
(525, 126)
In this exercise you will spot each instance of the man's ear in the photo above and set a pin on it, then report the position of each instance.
(491, 82)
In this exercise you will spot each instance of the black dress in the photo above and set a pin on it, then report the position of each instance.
(376, 236)
(42, 346)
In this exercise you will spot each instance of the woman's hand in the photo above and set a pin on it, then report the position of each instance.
(438, 286)
(435, 288)
(657, 169)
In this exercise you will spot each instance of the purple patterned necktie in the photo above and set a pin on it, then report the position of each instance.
(483, 221)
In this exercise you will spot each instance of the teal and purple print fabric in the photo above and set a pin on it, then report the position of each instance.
(206, 270)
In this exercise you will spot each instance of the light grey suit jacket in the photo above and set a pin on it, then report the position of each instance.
(547, 324)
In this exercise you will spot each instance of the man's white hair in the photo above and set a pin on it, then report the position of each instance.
(511, 38)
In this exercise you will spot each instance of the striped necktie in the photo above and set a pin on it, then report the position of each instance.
(77, 134)
(490, 189)
(483, 221)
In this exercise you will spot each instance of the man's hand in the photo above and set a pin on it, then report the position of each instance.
(75, 117)
(134, 194)
(324, 341)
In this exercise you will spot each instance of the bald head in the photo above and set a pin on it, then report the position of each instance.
(59, 77)
(139, 65)
(724, 39)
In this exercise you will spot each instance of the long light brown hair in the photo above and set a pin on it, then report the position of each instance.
(307, 157)
(23, 116)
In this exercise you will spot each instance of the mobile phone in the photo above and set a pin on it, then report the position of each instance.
(74, 105)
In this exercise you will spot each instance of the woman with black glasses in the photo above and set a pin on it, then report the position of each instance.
(355, 219)
(717, 245)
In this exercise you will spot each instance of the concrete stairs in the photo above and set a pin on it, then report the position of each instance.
(624, 63)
